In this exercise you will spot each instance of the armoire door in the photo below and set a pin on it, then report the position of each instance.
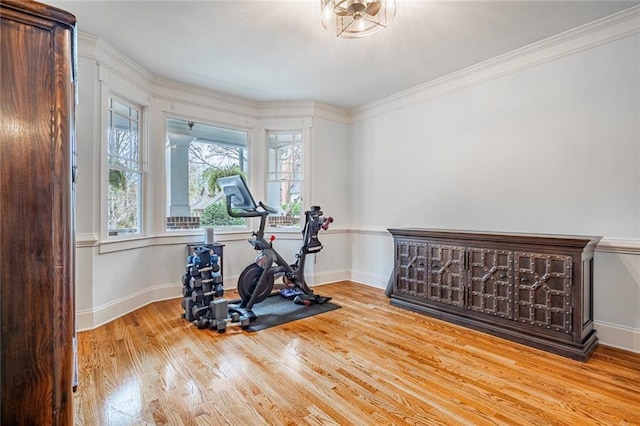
(37, 103)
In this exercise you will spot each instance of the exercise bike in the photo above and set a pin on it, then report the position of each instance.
(256, 282)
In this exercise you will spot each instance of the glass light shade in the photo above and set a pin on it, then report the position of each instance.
(356, 18)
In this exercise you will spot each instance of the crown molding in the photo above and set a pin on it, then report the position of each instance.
(92, 47)
(289, 109)
(614, 27)
(172, 91)
(602, 31)
(331, 113)
(95, 48)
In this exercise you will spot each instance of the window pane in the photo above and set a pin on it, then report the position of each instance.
(285, 177)
(121, 108)
(198, 154)
(118, 143)
(123, 141)
(121, 123)
(123, 200)
(125, 174)
(133, 147)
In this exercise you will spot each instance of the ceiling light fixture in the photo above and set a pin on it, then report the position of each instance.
(356, 18)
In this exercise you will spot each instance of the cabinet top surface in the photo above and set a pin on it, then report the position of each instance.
(39, 9)
(567, 240)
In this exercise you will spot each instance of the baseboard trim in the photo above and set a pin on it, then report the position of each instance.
(329, 277)
(369, 279)
(618, 336)
(84, 320)
(103, 314)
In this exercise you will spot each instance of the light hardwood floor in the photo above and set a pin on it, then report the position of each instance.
(366, 363)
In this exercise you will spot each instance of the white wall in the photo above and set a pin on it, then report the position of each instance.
(329, 177)
(551, 148)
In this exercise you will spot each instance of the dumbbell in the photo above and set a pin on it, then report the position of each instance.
(202, 323)
(219, 291)
(187, 304)
(199, 311)
(210, 268)
(195, 271)
(219, 309)
(244, 322)
(197, 296)
(196, 282)
(207, 289)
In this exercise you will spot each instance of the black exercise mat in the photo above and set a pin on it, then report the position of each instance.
(276, 310)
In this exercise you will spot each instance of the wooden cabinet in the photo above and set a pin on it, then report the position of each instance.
(37, 105)
(533, 289)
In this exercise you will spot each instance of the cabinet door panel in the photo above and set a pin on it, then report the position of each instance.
(37, 210)
(490, 282)
(446, 281)
(411, 259)
(543, 290)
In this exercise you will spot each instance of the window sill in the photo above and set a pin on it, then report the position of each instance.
(177, 238)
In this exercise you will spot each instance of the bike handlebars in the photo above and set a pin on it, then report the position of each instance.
(266, 210)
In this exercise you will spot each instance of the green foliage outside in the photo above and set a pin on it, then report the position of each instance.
(117, 179)
(216, 215)
(212, 175)
(292, 209)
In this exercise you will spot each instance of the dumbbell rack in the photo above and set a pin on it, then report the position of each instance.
(202, 291)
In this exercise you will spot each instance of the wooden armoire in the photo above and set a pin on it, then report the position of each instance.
(37, 243)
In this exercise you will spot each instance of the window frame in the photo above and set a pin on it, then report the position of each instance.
(276, 172)
(303, 126)
(142, 152)
(250, 164)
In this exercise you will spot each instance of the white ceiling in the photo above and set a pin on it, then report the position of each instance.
(274, 50)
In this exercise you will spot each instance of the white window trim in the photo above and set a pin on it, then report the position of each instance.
(282, 125)
(248, 126)
(114, 86)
